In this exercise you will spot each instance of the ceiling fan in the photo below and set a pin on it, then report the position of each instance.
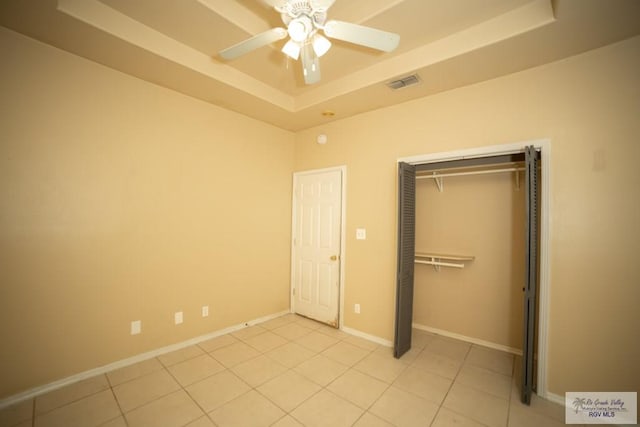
(304, 19)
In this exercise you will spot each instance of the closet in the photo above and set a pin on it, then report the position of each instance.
(468, 252)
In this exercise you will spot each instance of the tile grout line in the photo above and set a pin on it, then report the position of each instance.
(179, 384)
(287, 413)
(453, 381)
(230, 371)
(389, 385)
(338, 340)
(513, 374)
(156, 398)
(33, 413)
(431, 373)
(206, 414)
(325, 387)
(126, 422)
(264, 353)
(226, 369)
(376, 401)
(69, 402)
(134, 378)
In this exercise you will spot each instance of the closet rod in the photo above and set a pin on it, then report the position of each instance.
(443, 175)
(438, 263)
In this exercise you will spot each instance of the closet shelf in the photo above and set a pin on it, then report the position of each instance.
(435, 260)
(438, 177)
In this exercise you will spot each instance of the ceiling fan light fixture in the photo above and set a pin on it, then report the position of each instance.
(292, 50)
(304, 19)
(321, 45)
(299, 29)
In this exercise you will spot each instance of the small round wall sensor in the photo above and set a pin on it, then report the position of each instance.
(322, 139)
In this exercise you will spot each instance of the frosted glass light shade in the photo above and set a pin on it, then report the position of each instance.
(292, 50)
(321, 45)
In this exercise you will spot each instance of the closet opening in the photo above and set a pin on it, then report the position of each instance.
(469, 253)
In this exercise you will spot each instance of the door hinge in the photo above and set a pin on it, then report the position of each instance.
(294, 292)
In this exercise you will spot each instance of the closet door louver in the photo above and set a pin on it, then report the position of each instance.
(406, 256)
(531, 272)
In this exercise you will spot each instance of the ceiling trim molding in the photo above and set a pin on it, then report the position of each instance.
(510, 24)
(101, 16)
(237, 14)
(383, 7)
(95, 13)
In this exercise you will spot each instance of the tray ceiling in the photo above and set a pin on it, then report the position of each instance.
(449, 44)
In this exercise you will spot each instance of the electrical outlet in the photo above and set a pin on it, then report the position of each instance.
(205, 311)
(361, 234)
(136, 327)
(356, 308)
(177, 317)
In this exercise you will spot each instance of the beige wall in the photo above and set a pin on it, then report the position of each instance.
(588, 106)
(482, 216)
(120, 200)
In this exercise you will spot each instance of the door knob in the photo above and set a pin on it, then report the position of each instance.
(334, 257)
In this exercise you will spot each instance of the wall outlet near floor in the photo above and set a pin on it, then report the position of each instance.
(205, 311)
(177, 317)
(356, 308)
(361, 234)
(136, 327)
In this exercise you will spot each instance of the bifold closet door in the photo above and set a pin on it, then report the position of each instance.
(531, 271)
(406, 257)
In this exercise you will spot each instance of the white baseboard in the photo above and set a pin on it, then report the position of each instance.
(555, 398)
(471, 340)
(366, 336)
(36, 391)
(548, 396)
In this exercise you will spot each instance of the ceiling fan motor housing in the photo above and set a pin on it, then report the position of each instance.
(301, 17)
(296, 8)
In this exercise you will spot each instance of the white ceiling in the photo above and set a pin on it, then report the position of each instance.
(448, 43)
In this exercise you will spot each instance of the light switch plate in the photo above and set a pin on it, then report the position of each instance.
(205, 310)
(361, 234)
(136, 327)
(178, 317)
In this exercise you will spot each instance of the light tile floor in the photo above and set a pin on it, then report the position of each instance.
(292, 371)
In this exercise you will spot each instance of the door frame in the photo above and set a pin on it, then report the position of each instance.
(544, 145)
(343, 214)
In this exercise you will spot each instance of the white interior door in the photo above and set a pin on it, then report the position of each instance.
(316, 245)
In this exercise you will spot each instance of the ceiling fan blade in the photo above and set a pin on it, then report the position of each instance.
(310, 65)
(364, 36)
(253, 43)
